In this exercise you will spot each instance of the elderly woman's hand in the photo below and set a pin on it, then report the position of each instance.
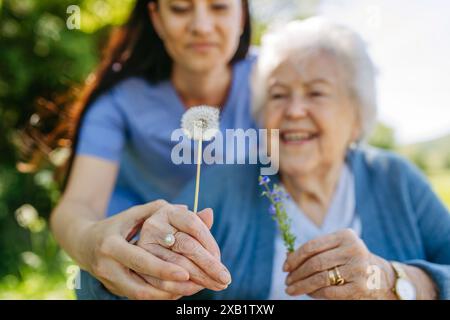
(194, 249)
(310, 265)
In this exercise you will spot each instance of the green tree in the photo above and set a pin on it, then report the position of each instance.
(383, 137)
(40, 59)
(420, 159)
(447, 162)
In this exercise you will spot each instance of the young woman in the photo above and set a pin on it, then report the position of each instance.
(170, 56)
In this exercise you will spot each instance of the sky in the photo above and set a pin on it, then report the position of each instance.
(409, 41)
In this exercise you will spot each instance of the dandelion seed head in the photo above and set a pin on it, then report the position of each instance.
(200, 123)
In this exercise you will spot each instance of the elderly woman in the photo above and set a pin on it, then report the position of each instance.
(354, 210)
(366, 222)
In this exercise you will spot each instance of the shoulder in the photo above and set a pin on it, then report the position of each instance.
(130, 97)
(389, 173)
(133, 88)
(246, 64)
(383, 162)
(127, 87)
(253, 53)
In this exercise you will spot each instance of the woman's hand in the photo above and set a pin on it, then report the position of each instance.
(116, 263)
(194, 249)
(308, 269)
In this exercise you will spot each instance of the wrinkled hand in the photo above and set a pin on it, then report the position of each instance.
(308, 269)
(117, 263)
(195, 249)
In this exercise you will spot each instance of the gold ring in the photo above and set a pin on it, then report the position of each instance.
(332, 277)
(339, 280)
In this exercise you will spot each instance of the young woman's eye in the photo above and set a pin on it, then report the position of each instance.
(180, 8)
(219, 6)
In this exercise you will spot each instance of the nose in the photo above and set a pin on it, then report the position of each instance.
(297, 108)
(202, 21)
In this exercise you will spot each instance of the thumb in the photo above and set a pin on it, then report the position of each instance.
(133, 218)
(207, 217)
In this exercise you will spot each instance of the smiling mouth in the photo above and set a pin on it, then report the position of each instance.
(201, 46)
(293, 137)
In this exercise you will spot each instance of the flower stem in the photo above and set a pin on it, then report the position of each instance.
(280, 214)
(197, 180)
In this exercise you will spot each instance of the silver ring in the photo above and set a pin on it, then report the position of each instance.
(169, 240)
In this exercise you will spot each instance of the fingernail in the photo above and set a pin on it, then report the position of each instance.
(223, 286)
(285, 267)
(290, 290)
(220, 287)
(288, 280)
(225, 277)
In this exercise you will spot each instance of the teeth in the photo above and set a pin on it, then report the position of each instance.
(296, 136)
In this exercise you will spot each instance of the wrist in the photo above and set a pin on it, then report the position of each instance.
(85, 244)
(404, 288)
(390, 281)
(425, 286)
(387, 279)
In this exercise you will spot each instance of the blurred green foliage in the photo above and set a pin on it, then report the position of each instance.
(431, 156)
(383, 137)
(39, 57)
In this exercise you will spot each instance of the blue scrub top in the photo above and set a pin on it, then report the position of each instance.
(132, 124)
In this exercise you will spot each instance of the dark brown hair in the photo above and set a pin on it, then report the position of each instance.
(133, 49)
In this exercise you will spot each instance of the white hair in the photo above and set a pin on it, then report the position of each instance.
(318, 33)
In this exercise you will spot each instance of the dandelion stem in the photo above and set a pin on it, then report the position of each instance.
(197, 180)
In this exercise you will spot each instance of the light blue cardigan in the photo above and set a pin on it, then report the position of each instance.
(402, 219)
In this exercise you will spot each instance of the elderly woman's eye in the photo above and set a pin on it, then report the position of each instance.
(276, 96)
(315, 94)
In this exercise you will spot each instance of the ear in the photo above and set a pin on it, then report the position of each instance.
(155, 18)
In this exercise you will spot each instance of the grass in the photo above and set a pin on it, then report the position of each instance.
(35, 286)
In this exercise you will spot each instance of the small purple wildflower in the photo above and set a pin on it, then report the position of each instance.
(278, 212)
(264, 180)
(272, 210)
